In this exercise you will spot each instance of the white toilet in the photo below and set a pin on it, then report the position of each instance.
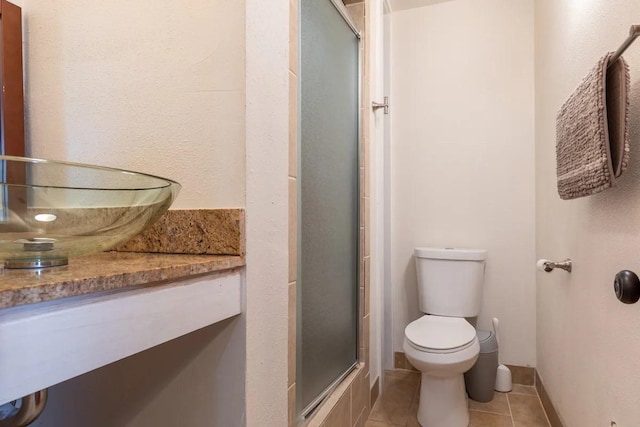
(442, 344)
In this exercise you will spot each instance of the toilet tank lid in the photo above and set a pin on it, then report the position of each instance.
(451, 253)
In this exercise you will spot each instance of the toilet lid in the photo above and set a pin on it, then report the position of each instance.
(440, 333)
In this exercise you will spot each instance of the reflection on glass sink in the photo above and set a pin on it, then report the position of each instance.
(51, 210)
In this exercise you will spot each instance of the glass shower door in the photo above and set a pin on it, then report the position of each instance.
(328, 202)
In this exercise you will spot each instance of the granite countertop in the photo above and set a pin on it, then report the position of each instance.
(105, 272)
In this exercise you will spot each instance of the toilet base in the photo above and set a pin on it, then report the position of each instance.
(443, 402)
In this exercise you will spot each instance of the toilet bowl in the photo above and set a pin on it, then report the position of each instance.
(443, 349)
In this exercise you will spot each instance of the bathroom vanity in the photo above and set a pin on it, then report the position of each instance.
(56, 324)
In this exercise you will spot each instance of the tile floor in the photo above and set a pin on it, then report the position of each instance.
(398, 405)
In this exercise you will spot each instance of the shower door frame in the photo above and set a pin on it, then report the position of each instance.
(308, 411)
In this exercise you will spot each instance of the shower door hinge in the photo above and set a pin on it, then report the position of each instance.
(385, 105)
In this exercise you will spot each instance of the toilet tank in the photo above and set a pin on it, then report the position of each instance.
(450, 280)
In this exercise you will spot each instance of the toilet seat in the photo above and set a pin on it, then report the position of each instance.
(439, 334)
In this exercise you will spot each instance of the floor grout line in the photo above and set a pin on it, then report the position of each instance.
(513, 422)
(489, 412)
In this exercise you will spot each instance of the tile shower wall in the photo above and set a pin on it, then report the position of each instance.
(349, 404)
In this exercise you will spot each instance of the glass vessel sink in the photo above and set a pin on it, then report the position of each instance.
(51, 210)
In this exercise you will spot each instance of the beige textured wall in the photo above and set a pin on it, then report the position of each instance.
(158, 88)
(588, 344)
(267, 271)
(194, 380)
(142, 85)
(462, 148)
(294, 8)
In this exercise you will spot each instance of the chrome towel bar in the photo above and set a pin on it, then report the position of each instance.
(634, 32)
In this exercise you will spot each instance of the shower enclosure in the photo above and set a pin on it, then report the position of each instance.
(328, 194)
